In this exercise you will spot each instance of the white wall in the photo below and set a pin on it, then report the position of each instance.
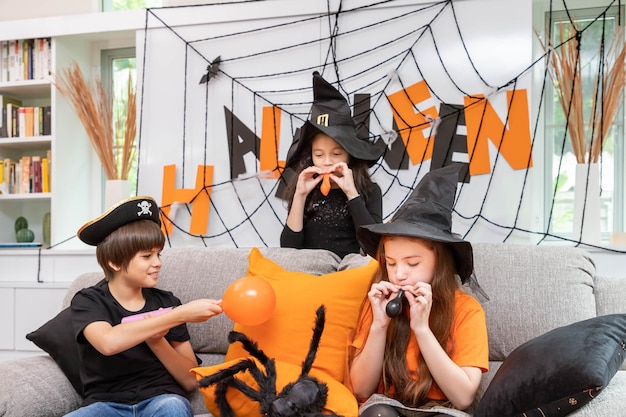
(31, 9)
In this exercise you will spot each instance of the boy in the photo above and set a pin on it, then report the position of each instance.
(137, 367)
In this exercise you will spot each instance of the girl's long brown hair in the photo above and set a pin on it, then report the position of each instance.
(397, 380)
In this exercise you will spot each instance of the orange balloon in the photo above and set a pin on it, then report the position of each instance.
(325, 187)
(249, 301)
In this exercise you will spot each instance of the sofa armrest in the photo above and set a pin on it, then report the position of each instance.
(35, 386)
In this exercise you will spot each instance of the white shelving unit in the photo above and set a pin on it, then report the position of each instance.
(33, 206)
(76, 176)
(34, 281)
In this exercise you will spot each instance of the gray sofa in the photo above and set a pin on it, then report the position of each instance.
(531, 289)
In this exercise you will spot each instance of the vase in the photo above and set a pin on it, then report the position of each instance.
(115, 191)
(586, 225)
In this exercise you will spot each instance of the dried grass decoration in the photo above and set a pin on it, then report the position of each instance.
(565, 69)
(94, 108)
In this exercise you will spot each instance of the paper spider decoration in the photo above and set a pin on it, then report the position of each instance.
(305, 397)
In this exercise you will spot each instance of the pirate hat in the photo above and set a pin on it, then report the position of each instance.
(124, 212)
(330, 114)
(426, 214)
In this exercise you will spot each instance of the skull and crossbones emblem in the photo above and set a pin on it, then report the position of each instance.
(145, 208)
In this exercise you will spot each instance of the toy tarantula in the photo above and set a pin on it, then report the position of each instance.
(304, 397)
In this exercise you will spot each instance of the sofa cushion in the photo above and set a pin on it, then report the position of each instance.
(56, 337)
(610, 295)
(287, 334)
(531, 291)
(559, 371)
(192, 273)
(35, 387)
(340, 399)
(353, 260)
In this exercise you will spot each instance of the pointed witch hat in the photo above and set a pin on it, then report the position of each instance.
(427, 214)
(330, 114)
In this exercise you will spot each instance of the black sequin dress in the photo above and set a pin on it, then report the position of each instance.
(330, 222)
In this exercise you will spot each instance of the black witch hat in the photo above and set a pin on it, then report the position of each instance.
(330, 114)
(122, 213)
(426, 214)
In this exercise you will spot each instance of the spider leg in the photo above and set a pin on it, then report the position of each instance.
(220, 398)
(320, 319)
(248, 345)
(266, 394)
(267, 381)
(226, 373)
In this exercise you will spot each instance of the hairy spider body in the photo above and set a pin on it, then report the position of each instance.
(304, 397)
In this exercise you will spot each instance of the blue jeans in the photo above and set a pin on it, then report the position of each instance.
(164, 405)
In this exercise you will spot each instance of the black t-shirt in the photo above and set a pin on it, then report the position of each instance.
(130, 376)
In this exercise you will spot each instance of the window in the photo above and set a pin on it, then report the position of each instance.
(114, 5)
(118, 69)
(560, 159)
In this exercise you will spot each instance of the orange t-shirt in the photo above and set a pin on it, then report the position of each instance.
(469, 333)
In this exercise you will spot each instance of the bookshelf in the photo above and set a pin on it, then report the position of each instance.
(75, 191)
(34, 276)
(26, 143)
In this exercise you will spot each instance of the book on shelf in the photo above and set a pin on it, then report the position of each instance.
(12, 120)
(6, 121)
(46, 120)
(25, 59)
(29, 121)
(19, 245)
(45, 174)
(4, 61)
(36, 180)
(9, 175)
(21, 122)
(3, 189)
(25, 175)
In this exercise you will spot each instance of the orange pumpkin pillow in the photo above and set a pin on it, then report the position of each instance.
(340, 400)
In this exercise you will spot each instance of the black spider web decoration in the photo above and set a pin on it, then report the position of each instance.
(267, 63)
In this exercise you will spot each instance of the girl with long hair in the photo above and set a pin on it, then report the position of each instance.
(421, 342)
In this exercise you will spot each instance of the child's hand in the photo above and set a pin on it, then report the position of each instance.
(200, 310)
(379, 295)
(308, 180)
(341, 175)
(420, 297)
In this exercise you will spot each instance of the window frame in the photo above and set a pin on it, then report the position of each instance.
(107, 56)
(550, 127)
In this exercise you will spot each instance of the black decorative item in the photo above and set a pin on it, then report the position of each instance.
(211, 70)
(305, 397)
(394, 307)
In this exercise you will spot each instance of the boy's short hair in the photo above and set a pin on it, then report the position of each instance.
(120, 246)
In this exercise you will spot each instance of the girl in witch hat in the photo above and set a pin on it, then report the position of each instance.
(420, 347)
(329, 188)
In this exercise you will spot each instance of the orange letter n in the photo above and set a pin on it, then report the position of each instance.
(513, 140)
